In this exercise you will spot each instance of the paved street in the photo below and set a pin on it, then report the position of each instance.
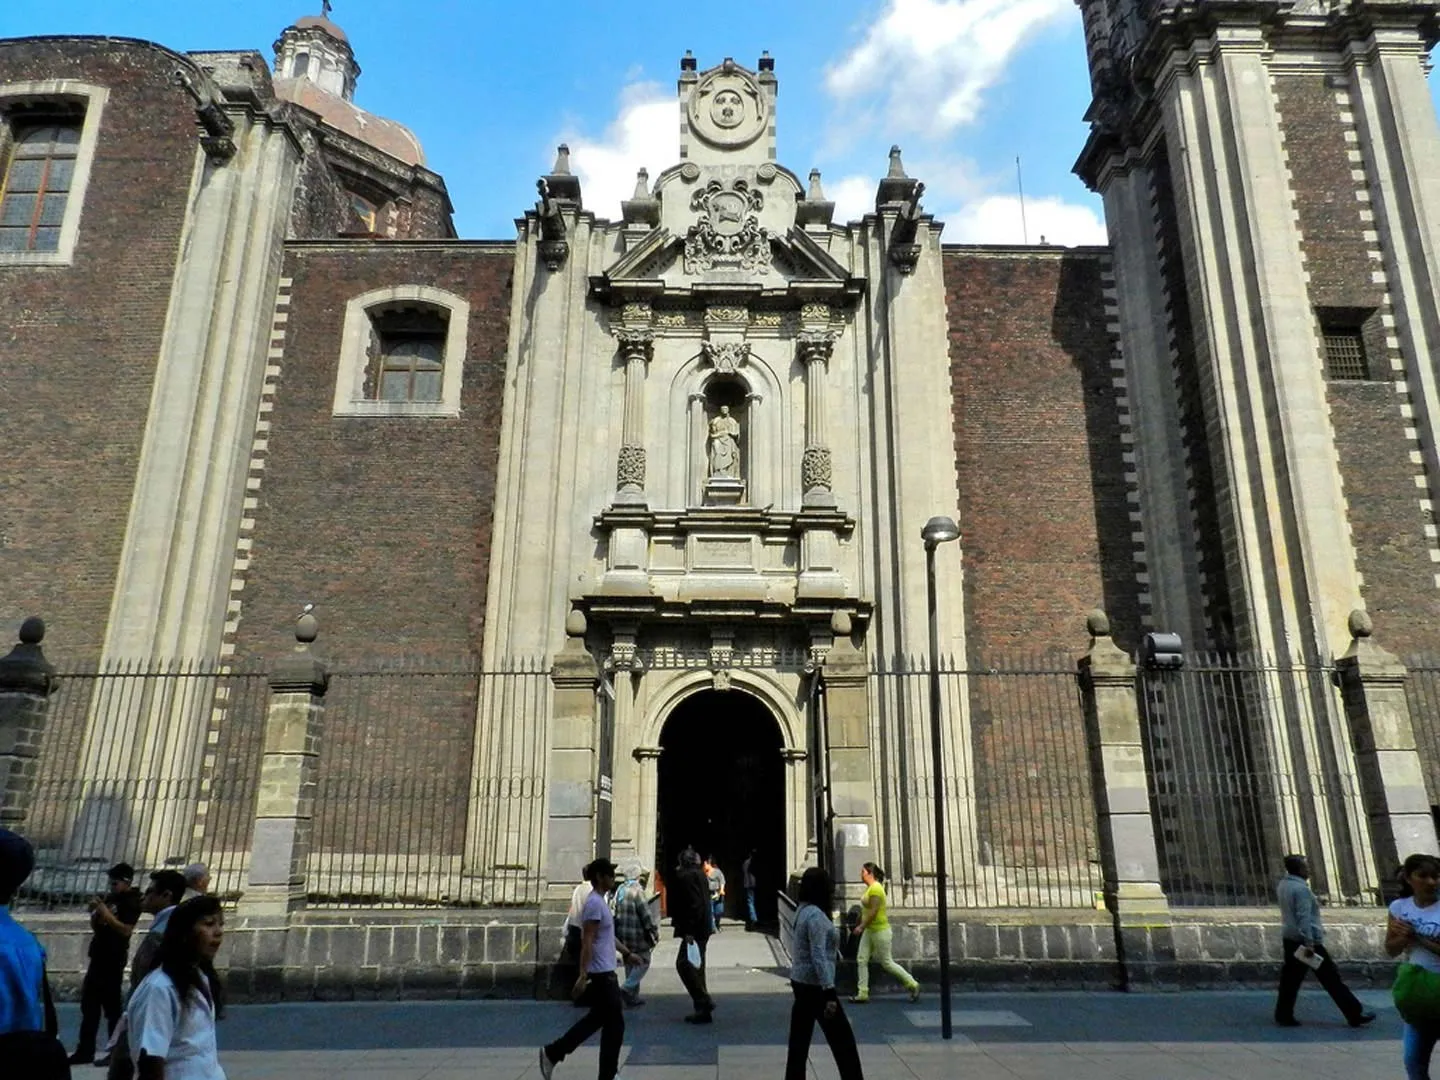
(1077, 1036)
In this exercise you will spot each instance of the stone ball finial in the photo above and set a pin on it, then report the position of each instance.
(1361, 625)
(840, 624)
(575, 623)
(32, 630)
(307, 629)
(1097, 623)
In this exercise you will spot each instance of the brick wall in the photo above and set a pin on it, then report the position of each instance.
(1372, 444)
(78, 344)
(1043, 498)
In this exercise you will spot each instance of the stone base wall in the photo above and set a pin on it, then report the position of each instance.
(513, 952)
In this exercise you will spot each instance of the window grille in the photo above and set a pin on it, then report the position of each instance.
(37, 186)
(1345, 355)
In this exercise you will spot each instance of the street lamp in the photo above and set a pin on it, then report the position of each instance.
(937, 531)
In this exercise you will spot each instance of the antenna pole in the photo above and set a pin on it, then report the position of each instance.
(1020, 182)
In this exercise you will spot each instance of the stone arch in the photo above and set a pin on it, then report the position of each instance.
(758, 685)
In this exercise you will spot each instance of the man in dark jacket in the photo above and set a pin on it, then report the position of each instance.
(689, 903)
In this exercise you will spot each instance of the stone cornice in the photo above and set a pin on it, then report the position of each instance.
(774, 524)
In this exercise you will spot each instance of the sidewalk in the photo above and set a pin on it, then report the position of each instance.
(1073, 1036)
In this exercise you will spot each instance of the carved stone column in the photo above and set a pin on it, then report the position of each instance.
(815, 346)
(636, 344)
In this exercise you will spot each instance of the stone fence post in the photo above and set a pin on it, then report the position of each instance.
(575, 786)
(1392, 782)
(1129, 858)
(26, 682)
(285, 804)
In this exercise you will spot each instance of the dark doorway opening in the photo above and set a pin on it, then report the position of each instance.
(722, 792)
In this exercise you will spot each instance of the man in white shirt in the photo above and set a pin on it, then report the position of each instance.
(1301, 934)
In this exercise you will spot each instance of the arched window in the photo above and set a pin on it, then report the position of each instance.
(402, 352)
(302, 65)
(48, 132)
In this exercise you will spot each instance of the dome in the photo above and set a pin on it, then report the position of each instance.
(320, 22)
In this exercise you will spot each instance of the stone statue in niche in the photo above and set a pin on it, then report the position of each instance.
(725, 446)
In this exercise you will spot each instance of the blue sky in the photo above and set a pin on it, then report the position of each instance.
(964, 86)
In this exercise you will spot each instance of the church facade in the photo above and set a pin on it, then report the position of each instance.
(682, 459)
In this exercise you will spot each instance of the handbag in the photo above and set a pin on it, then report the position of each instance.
(1416, 992)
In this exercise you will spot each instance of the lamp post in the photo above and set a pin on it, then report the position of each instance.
(937, 531)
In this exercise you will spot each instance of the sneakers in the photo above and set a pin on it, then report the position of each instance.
(547, 1067)
(914, 993)
(695, 1018)
(860, 999)
(1363, 1019)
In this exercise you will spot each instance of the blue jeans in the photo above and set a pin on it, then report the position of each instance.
(750, 905)
(1418, 1044)
(635, 970)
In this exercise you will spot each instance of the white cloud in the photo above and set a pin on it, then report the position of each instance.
(926, 64)
(996, 219)
(853, 196)
(645, 133)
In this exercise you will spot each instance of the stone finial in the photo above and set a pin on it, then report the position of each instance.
(1097, 624)
(642, 208)
(814, 209)
(815, 194)
(25, 670)
(562, 161)
(307, 628)
(840, 624)
(897, 167)
(576, 623)
(687, 62)
(767, 62)
(642, 183)
(1361, 625)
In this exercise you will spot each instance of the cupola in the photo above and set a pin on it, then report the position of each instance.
(315, 49)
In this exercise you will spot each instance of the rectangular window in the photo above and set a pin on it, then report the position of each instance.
(411, 355)
(38, 177)
(1345, 354)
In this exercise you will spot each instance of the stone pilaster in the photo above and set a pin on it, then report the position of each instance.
(1130, 861)
(26, 682)
(852, 783)
(636, 343)
(570, 833)
(1392, 784)
(815, 344)
(285, 804)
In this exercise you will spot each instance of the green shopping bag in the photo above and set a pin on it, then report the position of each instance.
(1416, 991)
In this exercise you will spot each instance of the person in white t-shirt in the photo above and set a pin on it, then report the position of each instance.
(170, 1021)
(1414, 930)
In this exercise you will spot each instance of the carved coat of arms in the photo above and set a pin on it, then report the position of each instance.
(728, 234)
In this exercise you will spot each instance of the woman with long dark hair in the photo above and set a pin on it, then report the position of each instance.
(1414, 931)
(170, 1020)
(875, 938)
(812, 978)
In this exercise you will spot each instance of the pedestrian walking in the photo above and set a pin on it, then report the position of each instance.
(812, 980)
(112, 919)
(747, 880)
(597, 987)
(690, 915)
(1413, 934)
(715, 882)
(1304, 951)
(165, 892)
(170, 1019)
(876, 938)
(635, 931)
(29, 1045)
(197, 880)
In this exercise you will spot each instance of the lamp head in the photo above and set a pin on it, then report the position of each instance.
(939, 530)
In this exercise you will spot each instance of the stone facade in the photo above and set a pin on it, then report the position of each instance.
(680, 460)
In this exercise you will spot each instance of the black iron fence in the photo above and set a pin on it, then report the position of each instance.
(155, 765)
(1019, 810)
(1245, 760)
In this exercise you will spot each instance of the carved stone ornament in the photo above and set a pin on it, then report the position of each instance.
(635, 342)
(728, 357)
(728, 234)
(815, 345)
(630, 471)
(815, 314)
(815, 469)
(721, 315)
(727, 108)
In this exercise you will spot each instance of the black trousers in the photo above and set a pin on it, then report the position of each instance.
(809, 1010)
(606, 1015)
(694, 978)
(1293, 973)
(100, 992)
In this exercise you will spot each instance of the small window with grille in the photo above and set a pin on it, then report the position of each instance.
(1345, 357)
